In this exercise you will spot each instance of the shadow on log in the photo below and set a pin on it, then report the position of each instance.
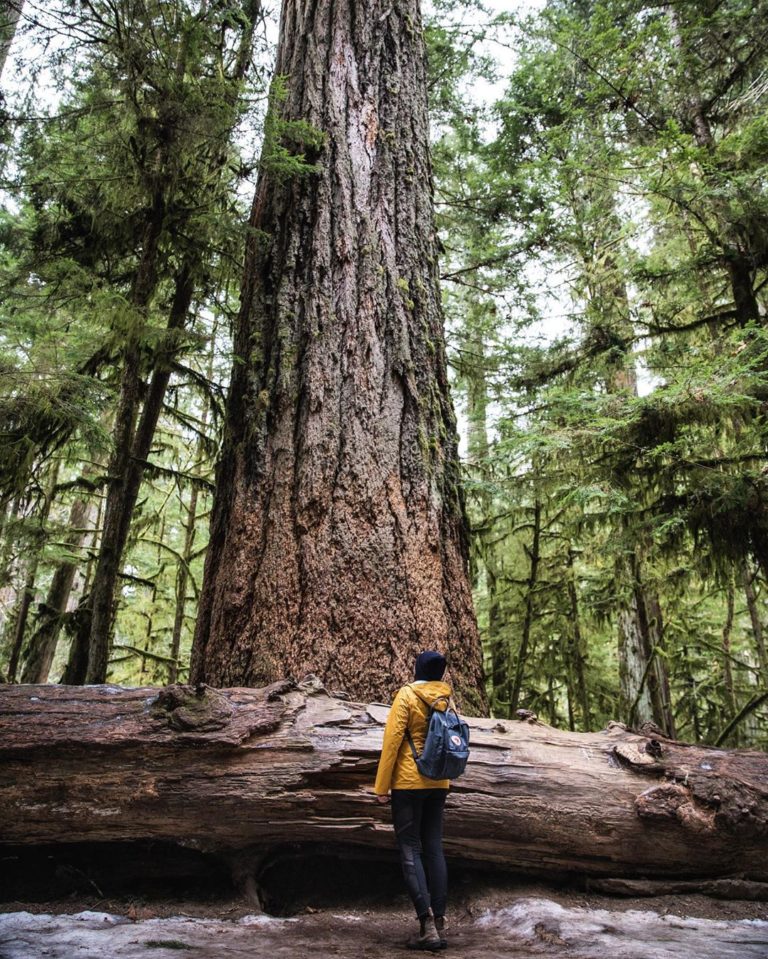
(238, 772)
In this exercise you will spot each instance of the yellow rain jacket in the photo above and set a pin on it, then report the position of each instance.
(397, 769)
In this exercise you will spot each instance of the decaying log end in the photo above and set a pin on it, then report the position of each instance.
(699, 793)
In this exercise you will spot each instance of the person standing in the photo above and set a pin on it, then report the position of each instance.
(417, 802)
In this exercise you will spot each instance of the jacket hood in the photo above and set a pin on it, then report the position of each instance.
(430, 691)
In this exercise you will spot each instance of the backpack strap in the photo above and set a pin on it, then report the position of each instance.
(430, 706)
(407, 730)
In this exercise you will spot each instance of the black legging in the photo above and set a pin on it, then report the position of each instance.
(417, 815)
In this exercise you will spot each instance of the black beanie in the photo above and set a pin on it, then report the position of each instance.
(430, 665)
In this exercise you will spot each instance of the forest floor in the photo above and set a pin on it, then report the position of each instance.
(497, 922)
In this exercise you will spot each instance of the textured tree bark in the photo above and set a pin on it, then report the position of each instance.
(244, 770)
(338, 537)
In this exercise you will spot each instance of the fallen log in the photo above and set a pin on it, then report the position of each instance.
(239, 770)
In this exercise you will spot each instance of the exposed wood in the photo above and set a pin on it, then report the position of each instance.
(243, 769)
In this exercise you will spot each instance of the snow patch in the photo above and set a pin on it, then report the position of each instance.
(109, 917)
(263, 920)
(631, 934)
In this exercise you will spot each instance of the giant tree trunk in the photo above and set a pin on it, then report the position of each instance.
(338, 537)
(241, 771)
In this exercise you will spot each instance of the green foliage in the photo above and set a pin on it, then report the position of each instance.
(119, 187)
(623, 188)
(288, 143)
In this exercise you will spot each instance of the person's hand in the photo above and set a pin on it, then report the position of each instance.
(383, 800)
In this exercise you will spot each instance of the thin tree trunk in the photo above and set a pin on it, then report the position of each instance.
(636, 704)
(152, 601)
(10, 513)
(534, 557)
(182, 577)
(338, 536)
(727, 668)
(484, 546)
(498, 647)
(747, 580)
(133, 443)
(577, 650)
(19, 620)
(28, 592)
(42, 644)
(643, 675)
(77, 661)
(661, 695)
(693, 695)
(120, 498)
(183, 572)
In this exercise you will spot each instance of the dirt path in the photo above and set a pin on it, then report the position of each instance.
(525, 927)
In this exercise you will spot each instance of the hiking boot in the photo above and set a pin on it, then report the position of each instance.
(428, 938)
(440, 927)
